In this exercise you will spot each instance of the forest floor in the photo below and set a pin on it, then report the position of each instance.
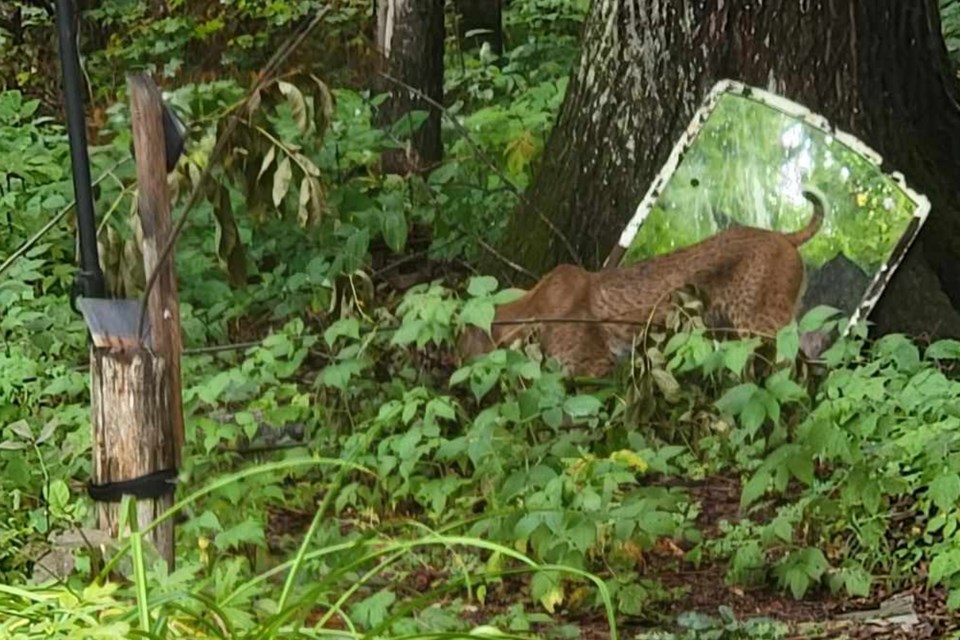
(919, 614)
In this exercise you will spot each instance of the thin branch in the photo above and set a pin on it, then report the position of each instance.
(505, 260)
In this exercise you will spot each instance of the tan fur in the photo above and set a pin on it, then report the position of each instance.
(752, 278)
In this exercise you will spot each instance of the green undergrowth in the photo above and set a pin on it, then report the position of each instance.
(342, 477)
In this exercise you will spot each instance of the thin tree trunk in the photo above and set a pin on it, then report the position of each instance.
(877, 69)
(481, 15)
(410, 37)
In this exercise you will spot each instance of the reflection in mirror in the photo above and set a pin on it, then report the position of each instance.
(747, 163)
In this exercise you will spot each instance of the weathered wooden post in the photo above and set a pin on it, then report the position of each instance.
(136, 393)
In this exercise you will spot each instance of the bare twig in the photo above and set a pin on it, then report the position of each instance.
(505, 260)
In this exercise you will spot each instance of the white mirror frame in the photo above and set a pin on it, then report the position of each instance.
(881, 278)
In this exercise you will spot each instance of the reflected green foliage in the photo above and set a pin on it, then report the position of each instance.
(748, 165)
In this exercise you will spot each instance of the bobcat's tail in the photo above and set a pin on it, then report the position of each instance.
(818, 201)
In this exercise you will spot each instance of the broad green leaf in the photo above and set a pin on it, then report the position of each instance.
(373, 610)
(394, 228)
(755, 488)
(783, 388)
(478, 313)
(857, 582)
(944, 349)
(754, 413)
(348, 327)
(797, 581)
(22, 429)
(944, 491)
(944, 566)
(737, 353)
(581, 406)
(408, 332)
(546, 588)
(460, 375)
(817, 317)
(247, 532)
(788, 343)
(735, 399)
(481, 285)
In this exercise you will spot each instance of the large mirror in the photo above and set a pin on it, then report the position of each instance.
(744, 160)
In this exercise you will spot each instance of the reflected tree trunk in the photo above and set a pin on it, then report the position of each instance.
(877, 69)
(410, 40)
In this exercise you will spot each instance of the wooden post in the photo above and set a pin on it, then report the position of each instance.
(153, 202)
(136, 394)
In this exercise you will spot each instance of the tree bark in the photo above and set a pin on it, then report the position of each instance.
(876, 69)
(476, 15)
(410, 38)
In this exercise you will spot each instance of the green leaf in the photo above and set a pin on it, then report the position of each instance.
(798, 581)
(944, 349)
(339, 374)
(482, 285)
(817, 317)
(857, 582)
(737, 353)
(394, 228)
(553, 417)
(355, 250)
(546, 588)
(801, 466)
(373, 610)
(348, 327)
(788, 343)
(22, 429)
(58, 496)
(478, 313)
(753, 414)
(755, 488)
(460, 375)
(409, 331)
(783, 388)
(581, 406)
(247, 532)
(735, 399)
(944, 566)
(507, 295)
(953, 600)
(944, 491)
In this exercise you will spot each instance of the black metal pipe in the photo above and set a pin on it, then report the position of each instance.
(90, 278)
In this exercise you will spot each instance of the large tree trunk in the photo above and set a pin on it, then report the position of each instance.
(877, 69)
(410, 38)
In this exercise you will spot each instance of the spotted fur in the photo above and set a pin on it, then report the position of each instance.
(752, 278)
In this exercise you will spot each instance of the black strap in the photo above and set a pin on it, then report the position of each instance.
(147, 487)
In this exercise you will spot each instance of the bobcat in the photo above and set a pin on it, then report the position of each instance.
(753, 280)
